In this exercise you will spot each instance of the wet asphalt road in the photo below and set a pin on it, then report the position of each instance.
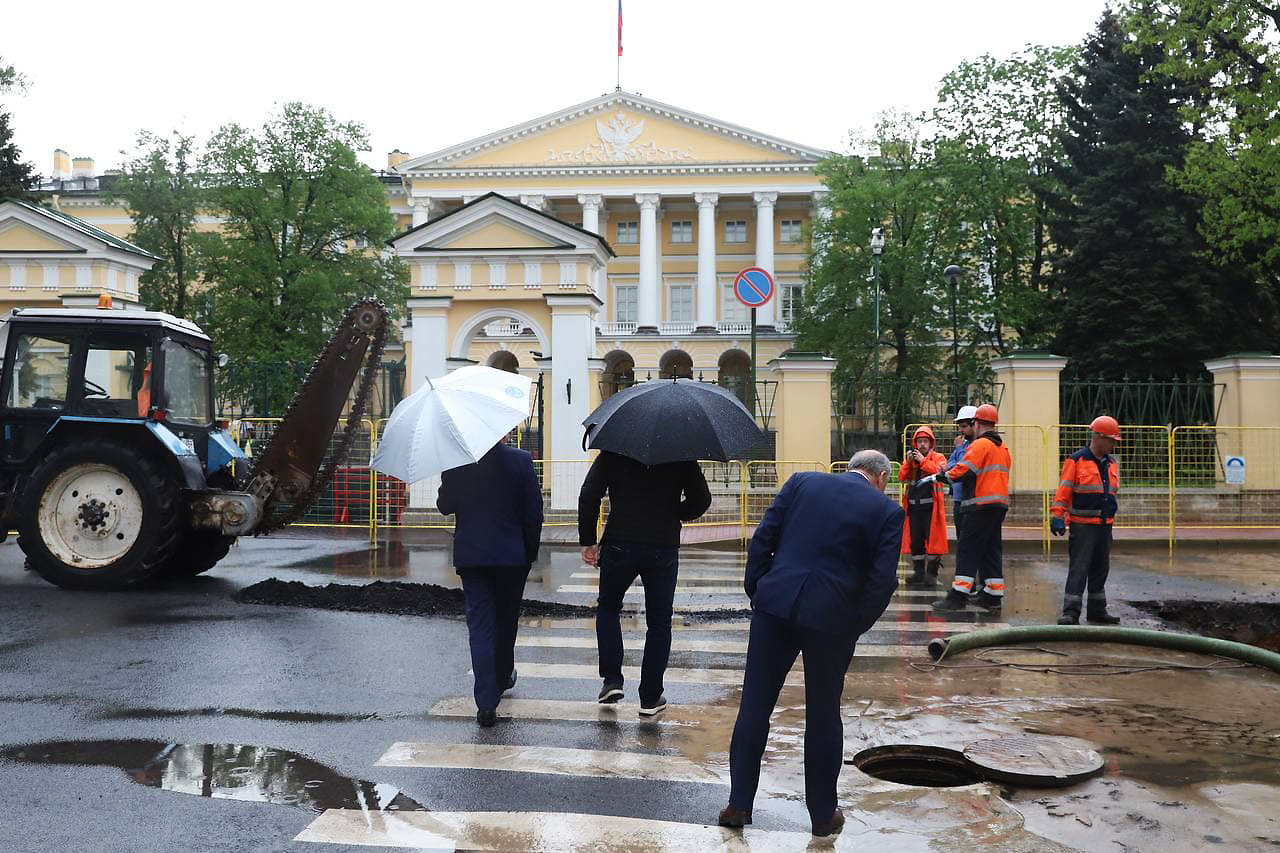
(186, 665)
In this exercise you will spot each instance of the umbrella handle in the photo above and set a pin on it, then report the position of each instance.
(586, 434)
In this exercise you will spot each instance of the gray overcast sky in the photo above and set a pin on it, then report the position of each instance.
(424, 75)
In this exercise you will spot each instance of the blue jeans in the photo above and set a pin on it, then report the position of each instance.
(656, 566)
(493, 597)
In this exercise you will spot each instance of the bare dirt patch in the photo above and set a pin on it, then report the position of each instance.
(1255, 623)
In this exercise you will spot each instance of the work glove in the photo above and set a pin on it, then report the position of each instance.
(942, 477)
(1058, 527)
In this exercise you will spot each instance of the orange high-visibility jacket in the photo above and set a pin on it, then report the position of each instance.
(935, 542)
(1082, 497)
(984, 473)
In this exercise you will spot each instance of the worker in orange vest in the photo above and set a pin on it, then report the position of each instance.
(1086, 500)
(924, 536)
(984, 473)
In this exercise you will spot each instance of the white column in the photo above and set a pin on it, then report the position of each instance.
(429, 338)
(591, 212)
(647, 298)
(569, 392)
(421, 210)
(764, 252)
(707, 296)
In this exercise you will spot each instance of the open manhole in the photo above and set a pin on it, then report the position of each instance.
(911, 764)
(1026, 761)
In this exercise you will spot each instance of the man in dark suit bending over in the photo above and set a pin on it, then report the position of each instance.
(495, 541)
(821, 568)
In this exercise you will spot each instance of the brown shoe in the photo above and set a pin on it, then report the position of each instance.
(734, 818)
(832, 827)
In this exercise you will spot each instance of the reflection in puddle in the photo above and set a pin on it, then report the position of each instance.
(226, 771)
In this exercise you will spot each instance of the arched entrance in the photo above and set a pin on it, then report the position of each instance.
(735, 372)
(675, 364)
(619, 373)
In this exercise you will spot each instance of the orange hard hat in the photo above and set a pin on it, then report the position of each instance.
(1106, 425)
(987, 412)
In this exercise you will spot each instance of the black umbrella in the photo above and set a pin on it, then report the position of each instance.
(674, 421)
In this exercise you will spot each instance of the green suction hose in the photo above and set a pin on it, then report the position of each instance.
(940, 648)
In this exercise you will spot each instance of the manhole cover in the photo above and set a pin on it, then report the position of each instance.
(1034, 762)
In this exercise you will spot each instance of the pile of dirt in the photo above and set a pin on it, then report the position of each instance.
(1255, 623)
(409, 599)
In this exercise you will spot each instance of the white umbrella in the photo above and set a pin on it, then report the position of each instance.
(453, 421)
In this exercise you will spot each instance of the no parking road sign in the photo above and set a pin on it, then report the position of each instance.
(753, 287)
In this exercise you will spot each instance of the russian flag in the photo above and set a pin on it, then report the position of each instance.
(619, 27)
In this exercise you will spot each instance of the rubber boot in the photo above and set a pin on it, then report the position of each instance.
(934, 566)
(989, 601)
(953, 601)
(1069, 617)
(1101, 617)
(917, 579)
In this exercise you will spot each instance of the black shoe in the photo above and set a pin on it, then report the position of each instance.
(734, 818)
(486, 719)
(832, 826)
(652, 709)
(1101, 617)
(920, 581)
(953, 601)
(609, 694)
(989, 601)
(933, 568)
(511, 682)
(1069, 618)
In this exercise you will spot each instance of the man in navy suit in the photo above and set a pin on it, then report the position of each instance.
(821, 568)
(499, 506)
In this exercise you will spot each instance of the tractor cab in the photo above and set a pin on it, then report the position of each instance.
(102, 366)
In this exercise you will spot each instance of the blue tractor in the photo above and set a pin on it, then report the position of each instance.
(112, 467)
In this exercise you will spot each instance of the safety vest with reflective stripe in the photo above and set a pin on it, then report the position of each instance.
(984, 471)
(1082, 496)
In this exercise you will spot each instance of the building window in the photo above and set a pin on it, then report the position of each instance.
(735, 231)
(680, 303)
(789, 303)
(682, 231)
(790, 230)
(624, 303)
(731, 310)
(628, 232)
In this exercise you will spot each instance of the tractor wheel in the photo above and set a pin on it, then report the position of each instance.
(198, 551)
(98, 515)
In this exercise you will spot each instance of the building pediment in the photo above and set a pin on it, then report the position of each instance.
(616, 131)
(28, 229)
(497, 224)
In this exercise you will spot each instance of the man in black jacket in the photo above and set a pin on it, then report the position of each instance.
(647, 503)
(495, 541)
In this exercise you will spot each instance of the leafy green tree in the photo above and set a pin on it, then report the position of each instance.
(902, 190)
(1139, 297)
(303, 222)
(17, 178)
(997, 122)
(162, 192)
(1228, 53)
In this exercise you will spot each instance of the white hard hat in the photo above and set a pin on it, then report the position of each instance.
(966, 413)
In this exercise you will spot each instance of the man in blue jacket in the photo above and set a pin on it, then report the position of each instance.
(499, 506)
(821, 569)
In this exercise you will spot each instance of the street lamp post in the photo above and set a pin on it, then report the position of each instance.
(877, 247)
(953, 274)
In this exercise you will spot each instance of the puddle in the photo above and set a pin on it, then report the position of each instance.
(226, 771)
(1255, 623)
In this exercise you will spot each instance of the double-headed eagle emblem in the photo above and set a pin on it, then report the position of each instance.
(618, 135)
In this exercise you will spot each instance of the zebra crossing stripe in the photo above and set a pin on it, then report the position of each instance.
(698, 644)
(575, 711)
(523, 831)
(550, 760)
(673, 675)
(637, 590)
(638, 624)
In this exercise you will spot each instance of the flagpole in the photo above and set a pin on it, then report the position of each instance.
(618, 63)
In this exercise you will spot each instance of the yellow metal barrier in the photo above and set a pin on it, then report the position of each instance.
(763, 479)
(1224, 477)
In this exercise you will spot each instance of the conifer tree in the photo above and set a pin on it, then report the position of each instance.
(1140, 296)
